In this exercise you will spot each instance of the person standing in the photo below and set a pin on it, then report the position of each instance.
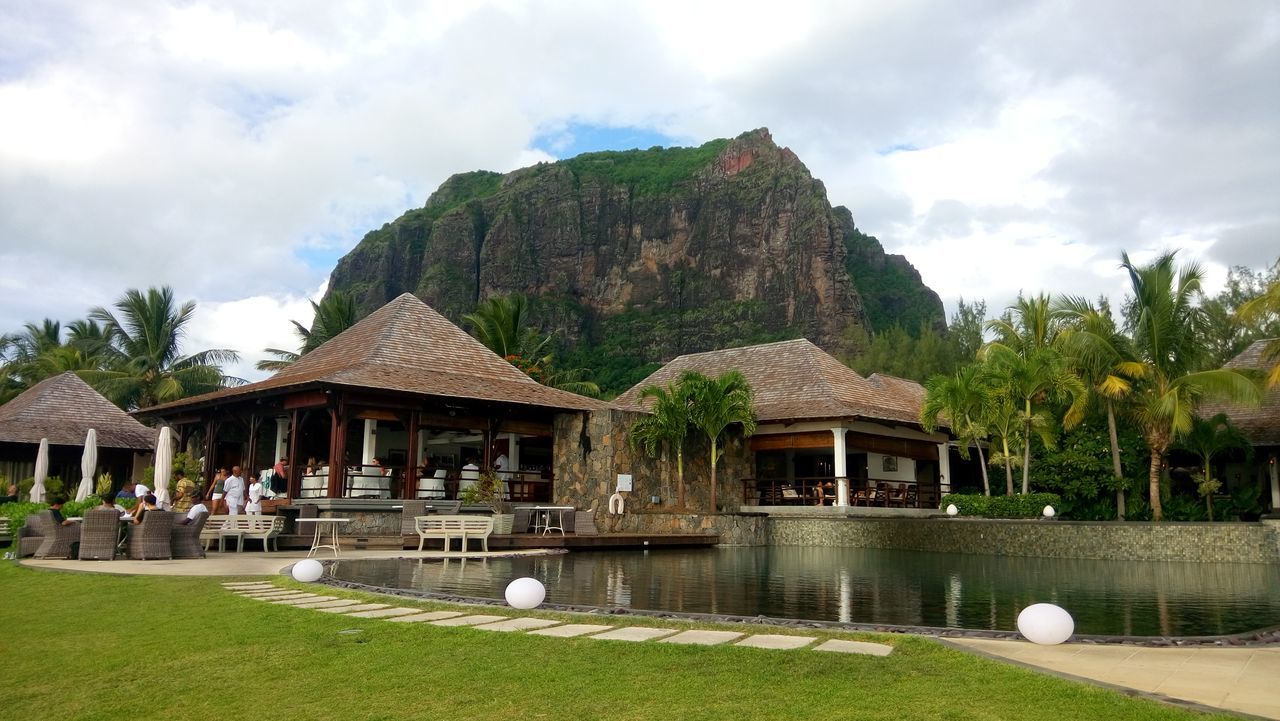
(219, 490)
(254, 506)
(233, 488)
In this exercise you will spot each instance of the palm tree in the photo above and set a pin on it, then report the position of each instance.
(1165, 322)
(334, 313)
(717, 403)
(1002, 422)
(504, 325)
(1267, 304)
(145, 364)
(1206, 439)
(1103, 357)
(965, 399)
(667, 425)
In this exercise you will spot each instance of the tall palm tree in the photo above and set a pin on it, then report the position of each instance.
(1267, 304)
(504, 325)
(1103, 357)
(1165, 321)
(1207, 439)
(145, 361)
(717, 403)
(965, 399)
(334, 313)
(1002, 423)
(667, 425)
(1029, 324)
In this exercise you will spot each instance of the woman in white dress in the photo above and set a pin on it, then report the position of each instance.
(254, 506)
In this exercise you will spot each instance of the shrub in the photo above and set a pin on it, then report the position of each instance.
(1030, 505)
(52, 487)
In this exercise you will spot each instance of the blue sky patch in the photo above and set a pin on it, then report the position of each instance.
(576, 138)
(898, 148)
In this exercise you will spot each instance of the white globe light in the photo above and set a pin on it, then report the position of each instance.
(525, 593)
(307, 570)
(1045, 624)
(952, 510)
(1048, 511)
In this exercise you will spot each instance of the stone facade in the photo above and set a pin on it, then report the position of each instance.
(1201, 542)
(734, 529)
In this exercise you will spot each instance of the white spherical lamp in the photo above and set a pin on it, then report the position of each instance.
(1049, 512)
(525, 593)
(307, 570)
(1045, 624)
(952, 510)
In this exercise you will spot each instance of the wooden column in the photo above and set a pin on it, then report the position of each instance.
(210, 439)
(409, 481)
(337, 450)
(254, 423)
(293, 488)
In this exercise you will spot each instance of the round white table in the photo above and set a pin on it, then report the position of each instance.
(316, 545)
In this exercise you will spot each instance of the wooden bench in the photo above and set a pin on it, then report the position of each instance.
(261, 528)
(447, 528)
(6, 536)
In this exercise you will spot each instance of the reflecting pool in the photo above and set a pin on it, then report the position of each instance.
(854, 585)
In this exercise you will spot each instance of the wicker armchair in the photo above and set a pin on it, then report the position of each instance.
(448, 508)
(150, 539)
(411, 510)
(185, 539)
(99, 534)
(31, 535)
(57, 540)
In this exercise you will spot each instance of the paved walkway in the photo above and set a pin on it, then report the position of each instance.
(249, 563)
(1246, 680)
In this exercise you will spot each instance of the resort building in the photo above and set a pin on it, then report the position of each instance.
(1260, 425)
(63, 409)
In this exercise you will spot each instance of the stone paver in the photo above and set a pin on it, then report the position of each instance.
(634, 633)
(269, 594)
(702, 638)
(839, 646)
(428, 616)
(311, 598)
(467, 620)
(285, 597)
(384, 612)
(776, 641)
(518, 624)
(242, 585)
(352, 609)
(336, 603)
(569, 630)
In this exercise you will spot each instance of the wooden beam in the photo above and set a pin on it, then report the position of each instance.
(337, 450)
(784, 441)
(292, 487)
(409, 479)
(308, 399)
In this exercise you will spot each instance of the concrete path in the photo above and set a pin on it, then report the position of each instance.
(1246, 680)
(249, 563)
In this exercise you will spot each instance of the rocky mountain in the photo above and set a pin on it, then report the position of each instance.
(635, 257)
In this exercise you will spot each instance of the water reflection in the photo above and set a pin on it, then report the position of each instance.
(871, 586)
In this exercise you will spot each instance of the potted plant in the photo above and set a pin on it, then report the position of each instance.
(488, 490)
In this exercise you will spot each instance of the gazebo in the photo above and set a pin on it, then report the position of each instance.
(398, 406)
(63, 409)
(1259, 424)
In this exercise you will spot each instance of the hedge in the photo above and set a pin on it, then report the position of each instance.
(1019, 506)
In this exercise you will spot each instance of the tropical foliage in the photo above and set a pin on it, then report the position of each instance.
(715, 404)
(504, 325)
(666, 427)
(334, 313)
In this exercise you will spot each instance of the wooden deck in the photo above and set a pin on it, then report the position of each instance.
(522, 541)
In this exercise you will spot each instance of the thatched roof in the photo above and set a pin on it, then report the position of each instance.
(405, 347)
(796, 380)
(63, 409)
(1261, 423)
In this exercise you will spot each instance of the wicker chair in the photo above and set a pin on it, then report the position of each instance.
(99, 534)
(584, 523)
(150, 539)
(408, 512)
(448, 508)
(184, 542)
(31, 535)
(57, 540)
(523, 519)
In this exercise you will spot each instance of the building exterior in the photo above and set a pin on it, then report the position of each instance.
(1261, 426)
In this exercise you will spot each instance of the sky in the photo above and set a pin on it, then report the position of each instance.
(236, 150)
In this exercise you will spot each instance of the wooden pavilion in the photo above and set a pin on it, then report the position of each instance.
(1259, 424)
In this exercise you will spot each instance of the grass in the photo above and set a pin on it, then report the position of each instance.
(89, 646)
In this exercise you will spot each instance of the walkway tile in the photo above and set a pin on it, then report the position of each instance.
(467, 620)
(285, 597)
(352, 609)
(702, 638)
(310, 598)
(776, 641)
(269, 594)
(518, 624)
(428, 616)
(569, 630)
(336, 603)
(870, 649)
(635, 633)
(248, 584)
(384, 612)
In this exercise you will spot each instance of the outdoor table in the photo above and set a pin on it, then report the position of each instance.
(316, 545)
(542, 518)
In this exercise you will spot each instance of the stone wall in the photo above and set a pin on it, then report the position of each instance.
(1203, 542)
(591, 449)
(734, 529)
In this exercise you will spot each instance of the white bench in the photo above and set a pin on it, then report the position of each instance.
(262, 528)
(447, 528)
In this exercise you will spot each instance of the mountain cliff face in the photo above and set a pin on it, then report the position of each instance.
(636, 257)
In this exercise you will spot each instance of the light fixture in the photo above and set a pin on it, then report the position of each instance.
(1045, 624)
(525, 593)
(307, 570)
(952, 510)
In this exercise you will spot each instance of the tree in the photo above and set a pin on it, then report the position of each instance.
(1247, 309)
(334, 313)
(1209, 438)
(145, 365)
(667, 425)
(1165, 321)
(965, 399)
(1265, 309)
(504, 325)
(716, 403)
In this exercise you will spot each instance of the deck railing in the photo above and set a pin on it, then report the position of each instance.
(821, 491)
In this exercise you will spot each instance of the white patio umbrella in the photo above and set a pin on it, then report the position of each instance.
(88, 465)
(164, 467)
(42, 472)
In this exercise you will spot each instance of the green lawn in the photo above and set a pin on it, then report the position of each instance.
(90, 646)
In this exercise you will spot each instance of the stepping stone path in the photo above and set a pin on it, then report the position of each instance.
(542, 626)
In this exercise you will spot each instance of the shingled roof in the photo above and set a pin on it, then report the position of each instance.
(1261, 423)
(407, 347)
(63, 409)
(796, 380)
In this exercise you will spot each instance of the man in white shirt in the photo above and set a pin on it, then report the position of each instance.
(233, 488)
(197, 508)
(140, 490)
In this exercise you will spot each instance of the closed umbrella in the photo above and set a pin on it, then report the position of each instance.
(164, 467)
(88, 465)
(42, 472)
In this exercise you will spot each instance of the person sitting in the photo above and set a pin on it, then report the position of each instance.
(109, 503)
(12, 496)
(196, 509)
(55, 508)
(140, 490)
(127, 490)
(148, 503)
